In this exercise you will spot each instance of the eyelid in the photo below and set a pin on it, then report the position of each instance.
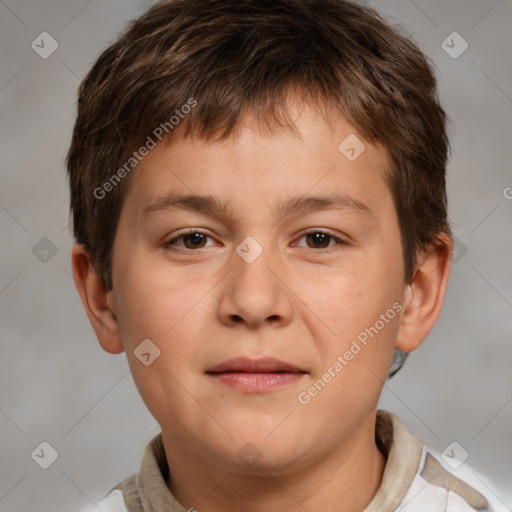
(325, 232)
(319, 230)
(189, 231)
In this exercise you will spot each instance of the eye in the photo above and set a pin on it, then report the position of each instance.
(190, 240)
(315, 239)
(320, 239)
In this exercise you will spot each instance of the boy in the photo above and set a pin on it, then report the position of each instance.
(259, 205)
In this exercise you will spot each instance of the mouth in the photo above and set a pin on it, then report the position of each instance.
(256, 375)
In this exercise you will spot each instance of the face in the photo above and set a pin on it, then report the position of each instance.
(271, 298)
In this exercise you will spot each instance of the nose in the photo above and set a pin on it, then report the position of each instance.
(256, 293)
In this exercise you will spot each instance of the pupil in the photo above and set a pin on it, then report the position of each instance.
(319, 238)
(195, 238)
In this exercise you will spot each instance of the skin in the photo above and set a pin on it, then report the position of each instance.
(302, 301)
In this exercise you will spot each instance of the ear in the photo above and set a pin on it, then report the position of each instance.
(97, 301)
(423, 298)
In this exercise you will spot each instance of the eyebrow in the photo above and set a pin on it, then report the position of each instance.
(296, 205)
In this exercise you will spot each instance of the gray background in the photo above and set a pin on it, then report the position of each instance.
(56, 383)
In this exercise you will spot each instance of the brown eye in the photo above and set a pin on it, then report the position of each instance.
(192, 240)
(316, 239)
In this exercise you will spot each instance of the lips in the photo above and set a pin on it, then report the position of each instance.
(256, 376)
(246, 365)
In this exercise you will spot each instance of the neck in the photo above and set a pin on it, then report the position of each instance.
(348, 477)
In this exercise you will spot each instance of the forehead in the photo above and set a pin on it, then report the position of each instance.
(320, 164)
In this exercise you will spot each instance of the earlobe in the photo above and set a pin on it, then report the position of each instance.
(97, 301)
(423, 298)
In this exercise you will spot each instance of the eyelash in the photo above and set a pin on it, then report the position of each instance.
(172, 243)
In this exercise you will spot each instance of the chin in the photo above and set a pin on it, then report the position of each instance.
(260, 449)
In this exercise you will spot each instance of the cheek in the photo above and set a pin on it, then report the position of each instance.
(352, 300)
(356, 356)
(157, 302)
(171, 318)
(360, 308)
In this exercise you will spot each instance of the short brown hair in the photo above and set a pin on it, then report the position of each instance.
(234, 56)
